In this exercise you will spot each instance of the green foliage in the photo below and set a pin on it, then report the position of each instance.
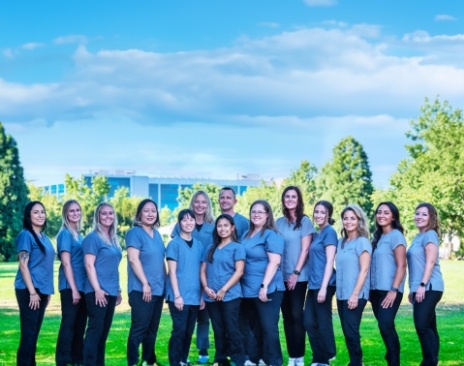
(434, 170)
(347, 178)
(125, 208)
(52, 207)
(270, 192)
(304, 178)
(185, 196)
(13, 195)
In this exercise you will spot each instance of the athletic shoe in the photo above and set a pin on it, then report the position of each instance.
(202, 359)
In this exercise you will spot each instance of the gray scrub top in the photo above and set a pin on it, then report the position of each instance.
(242, 224)
(383, 264)
(107, 258)
(257, 260)
(151, 255)
(292, 248)
(222, 268)
(318, 259)
(347, 264)
(416, 262)
(67, 243)
(188, 261)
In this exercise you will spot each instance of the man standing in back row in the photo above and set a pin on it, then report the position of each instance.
(227, 202)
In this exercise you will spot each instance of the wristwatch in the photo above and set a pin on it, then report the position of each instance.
(295, 271)
(263, 285)
(423, 284)
(395, 289)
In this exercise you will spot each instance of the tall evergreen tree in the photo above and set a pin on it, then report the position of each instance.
(13, 195)
(347, 178)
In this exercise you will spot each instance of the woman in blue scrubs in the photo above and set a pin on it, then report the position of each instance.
(145, 281)
(34, 279)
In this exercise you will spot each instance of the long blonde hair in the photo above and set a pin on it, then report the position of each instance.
(65, 222)
(209, 210)
(112, 230)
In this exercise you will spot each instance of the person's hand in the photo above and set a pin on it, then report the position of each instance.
(263, 295)
(420, 294)
(353, 302)
(210, 292)
(179, 303)
(220, 295)
(100, 298)
(118, 298)
(291, 282)
(76, 296)
(389, 300)
(202, 304)
(34, 301)
(146, 289)
(321, 295)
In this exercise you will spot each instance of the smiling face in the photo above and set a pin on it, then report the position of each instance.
(38, 217)
(422, 219)
(258, 215)
(106, 216)
(187, 224)
(291, 199)
(224, 229)
(384, 217)
(148, 215)
(350, 222)
(74, 214)
(321, 216)
(200, 205)
(227, 200)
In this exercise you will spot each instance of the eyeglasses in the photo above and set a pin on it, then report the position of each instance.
(258, 213)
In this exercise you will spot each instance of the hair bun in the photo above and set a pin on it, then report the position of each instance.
(331, 221)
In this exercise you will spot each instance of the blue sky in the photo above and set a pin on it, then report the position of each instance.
(219, 88)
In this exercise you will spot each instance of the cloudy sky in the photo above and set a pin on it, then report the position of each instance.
(216, 88)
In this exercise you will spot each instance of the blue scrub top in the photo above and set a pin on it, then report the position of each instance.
(318, 259)
(292, 247)
(151, 256)
(107, 258)
(347, 264)
(383, 264)
(204, 236)
(67, 243)
(40, 264)
(187, 271)
(222, 268)
(256, 248)
(242, 224)
(416, 262)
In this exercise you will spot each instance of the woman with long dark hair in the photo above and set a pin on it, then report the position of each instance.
(263, 284)
(221, 270)
(71, 282)
(388, 270)
(145, 280)
(426, 284)
(321, 286)
(102, 254)
(34, 279)
(297, 231)
(352, 263)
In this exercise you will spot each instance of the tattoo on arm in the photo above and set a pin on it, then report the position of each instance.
(23, 256)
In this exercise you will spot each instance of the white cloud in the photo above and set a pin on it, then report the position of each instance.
(31, 46)
(425, 37)
(74, 38)
(320, 2)
(444, 18)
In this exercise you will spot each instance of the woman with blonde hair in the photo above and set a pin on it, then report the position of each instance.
(71, 281)
(352, 262)
(102, 254)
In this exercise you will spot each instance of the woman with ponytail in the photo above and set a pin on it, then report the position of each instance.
(34, 280)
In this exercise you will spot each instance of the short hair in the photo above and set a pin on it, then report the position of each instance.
(363, 228)
(227, 189)
(434, 220)
(185, 212)
(138, 213)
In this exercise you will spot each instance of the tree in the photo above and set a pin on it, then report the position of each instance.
(186, 194)
(434, 170)
(270, 192)
(13, 194)
(125, 208)
(52, 206)
(304, 178)
(347, 178)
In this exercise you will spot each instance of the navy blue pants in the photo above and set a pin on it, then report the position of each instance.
(70, 342)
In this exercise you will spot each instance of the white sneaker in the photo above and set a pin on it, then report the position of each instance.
(291, 361)
(249, 363)
(261, 362)
(299, 361)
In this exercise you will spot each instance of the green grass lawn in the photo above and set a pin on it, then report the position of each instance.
(450, 324)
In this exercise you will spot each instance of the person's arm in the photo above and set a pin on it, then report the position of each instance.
(69, 274)
(364, 263)
(204, 282)
(302, 258)
(431, 255)
(133, 256)
(178, 300)
(100, 295)
(239, 267)
(328, 270)
(34, 300)
(271, 269)
(400, 260)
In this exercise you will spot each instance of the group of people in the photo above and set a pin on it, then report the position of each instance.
(236, 273)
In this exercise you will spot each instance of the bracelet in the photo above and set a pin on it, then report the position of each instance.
(35, 293)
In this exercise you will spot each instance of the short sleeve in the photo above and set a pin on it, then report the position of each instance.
(363, 246)
(90, 245)
(307, 227)
(330, 237)
(175, 231)
(133, 239)
(204, 257)
(274, 242)
(24, 241)
(431, 237)
(240, 253)
(172, 251)
(397, 240)
(65, 241)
